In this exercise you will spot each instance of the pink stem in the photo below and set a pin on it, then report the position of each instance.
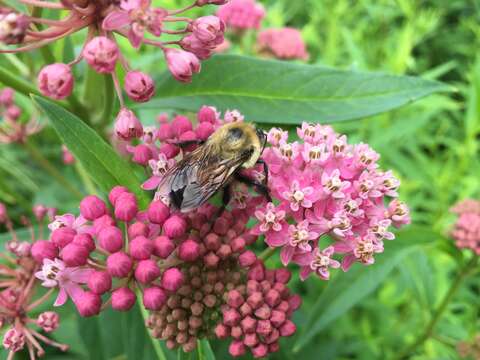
(90, 35)
(28, 335)
(48, 341)
(95, 264)
(39, 301)
(31, 353)
(87, 11)
(118, 89)
(38, 44)
(70, 23)
(26, 292)
(175, 32)
(4, 284)
(61, 23)
(10, 356)
(43, 4)
(106, 304)
(179, 11)
(124, 62)
(175, 19)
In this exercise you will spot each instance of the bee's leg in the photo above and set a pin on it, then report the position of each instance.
(265, 169)
(226, 197)
(186, 143)
(262, 189)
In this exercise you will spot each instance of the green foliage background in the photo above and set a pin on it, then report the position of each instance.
(432, 145)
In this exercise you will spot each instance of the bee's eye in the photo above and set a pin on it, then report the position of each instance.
(246, 154)
(235, 134)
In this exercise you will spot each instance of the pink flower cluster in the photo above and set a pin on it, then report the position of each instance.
(466, 231)
(14, 129)
(19, 298)
(257, 314)
(240, 15)
(105, 20)
(324, 186)
(285, 43)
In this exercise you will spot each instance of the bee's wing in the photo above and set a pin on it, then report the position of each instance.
(197, 177)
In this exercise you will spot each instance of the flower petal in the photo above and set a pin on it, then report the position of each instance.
(61, 298)
(286, 254)
(151, 183)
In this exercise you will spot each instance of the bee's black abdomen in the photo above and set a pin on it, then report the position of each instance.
(177, 198)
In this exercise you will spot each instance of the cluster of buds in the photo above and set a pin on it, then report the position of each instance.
(13, 128)
(285, 43)
(324, 186)
(466, 231)
(19, 298)
(106, 19)
(242, 15)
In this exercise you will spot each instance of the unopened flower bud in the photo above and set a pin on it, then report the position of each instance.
(13, 26)
(13, 340)
(40, 211)
(154, 298)
(141, 248)
(163, 247)
(247, 258)
(7, 96)
(56, 81)
(260, 351)
(147, 271)
(92, 207)
(63, 236)
(137, 229)
(288, 328)
(111, 239)
(208, 28)
(43, 249)
(231, 317)
(48, 321)
(123, 299)
(221, 331)
(236, 348)
(172, 279)
(127, 125)
(175, 226)
(235, 299)
(141, 154)
(158, 212)
(251, 339)
(139, 86)
(115, 193)
(100, 282)
(204, 130)
(119, 264)
(101, 54)
(189, 250)
(165, 132)
(283, 275)
(126, 207)
(89, 304)
(182, 64)
(84, 240)
(277, 318)
(74, 255)
(169, 150)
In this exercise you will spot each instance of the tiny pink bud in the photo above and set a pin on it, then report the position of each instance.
(40, 211)
(127, 125)
(235, 299)
(165, 132)
(84, 240)
(3, 213)
(236, 332)
(119, 264)
(74, 255)
(238, 244)
(147, 271)
(89, 304)
(273, 347)
(14, 340)
(158, 212)
(272, 337)
(180, 125)
(231, 317)
(263, 312)
(63, 236)
(182, 64)
(141, 154)
(221, 226)
(250, 339)
(208, 28)
(7, 96)
(245, 309)
(189, 250)
(208, 114)
(283, 275)
(249, 324)
(92, 207)
(270, 276)
(257, 272)
(277, 318)
(175, 226)
(212, 241)
(172, 279)
(247, 258)
(126, 207)
(272, 298)
(283, 306)
(211, 260)
(111, 239)
(48, 321)
(139, 86)
(288, 328)
(141, 248)
(260, 351)
(56, 81)
(137, 229)
(204, 130)
(100, 282)
(225, 251)
(115, 193)
(101, 223)
(236, 348)
(255, 300)
(154, 298)
(101, 54)
(163, 247)
(43, 249)
(221, 331)
(169, 150)
(123, 299)
(295, 302)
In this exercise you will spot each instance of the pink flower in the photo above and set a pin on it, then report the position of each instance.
(56, 81)
(182, 64)
(398, 213)
(271, 219)
(364, 250)
(318, 261)
(276, 136)
(285, 43)
(127, 125)
(159, 168)
(232, 116)
(242, 14)
(388, 184)
(208, 28)
(299, 196)
(54, 273)
(333, 185)
(379, 228)
(68, 220)
(101, 54)
(315, 154)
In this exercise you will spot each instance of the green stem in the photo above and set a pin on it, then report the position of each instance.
(156, 343)
(265, 255)
(428, 332)
(87, 181)
(109, 100)
(51, 169)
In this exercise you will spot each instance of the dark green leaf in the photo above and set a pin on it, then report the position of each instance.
(90, 332)
(101, 162)
(204, 350)
(269, 91)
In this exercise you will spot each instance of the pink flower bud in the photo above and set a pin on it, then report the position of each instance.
(111, 239)
(231, 317)
(141, 154)
(119, 264)
(40, 211)
(3, 213)
(283, 275)
(139, 86)
(89, 304)
(56, 81)
(63, 236)
(245, 309)
(100, 282)
(235, 299)
(182, 64)
(48, 321)
(251, 339)
(277, 318)
(295, 302)
(212, 241)
(74, 255)
(147, 271)
(154, 298)
(208, 114)
(238, 244)
(43, 249)
(163, 247)
(101, 223)
(263, 312)
(180, 125)
(189, 250)
(249, 325)
(84, 240)
(127, 125)
(175, 226)
(221, 331)
(198, 48)
(13, 112)
(273, 347)
(260, 351)
(141, 248)
(288, 328)
(7, 96)
(123, 299)
(165, 132)
(13, 340)
(236, 348)
(247, 258)
(172, 279)
(221, 226)
(126, 207)
(158, 212)
(256, 272)
(188, 136)
(212, 2)
(208, 28)
(225, 251)
(115, 193)
(92, 207)
(211, 260)
(204, 130)
(272, 297)
(14, 26)
(137, 229)
(101, 54)
(255, 300)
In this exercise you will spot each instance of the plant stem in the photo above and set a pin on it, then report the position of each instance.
(265, 255)
(87, 181)
(109, 95)
(51, 169)
(428, 332)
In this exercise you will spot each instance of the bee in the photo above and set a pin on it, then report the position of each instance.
(214, 165)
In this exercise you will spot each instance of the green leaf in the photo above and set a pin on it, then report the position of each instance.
(279, 92)
(90, 332)
(204, 350)
(346, 290)
(100, 161)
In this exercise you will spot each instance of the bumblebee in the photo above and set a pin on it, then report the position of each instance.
(214, 165)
